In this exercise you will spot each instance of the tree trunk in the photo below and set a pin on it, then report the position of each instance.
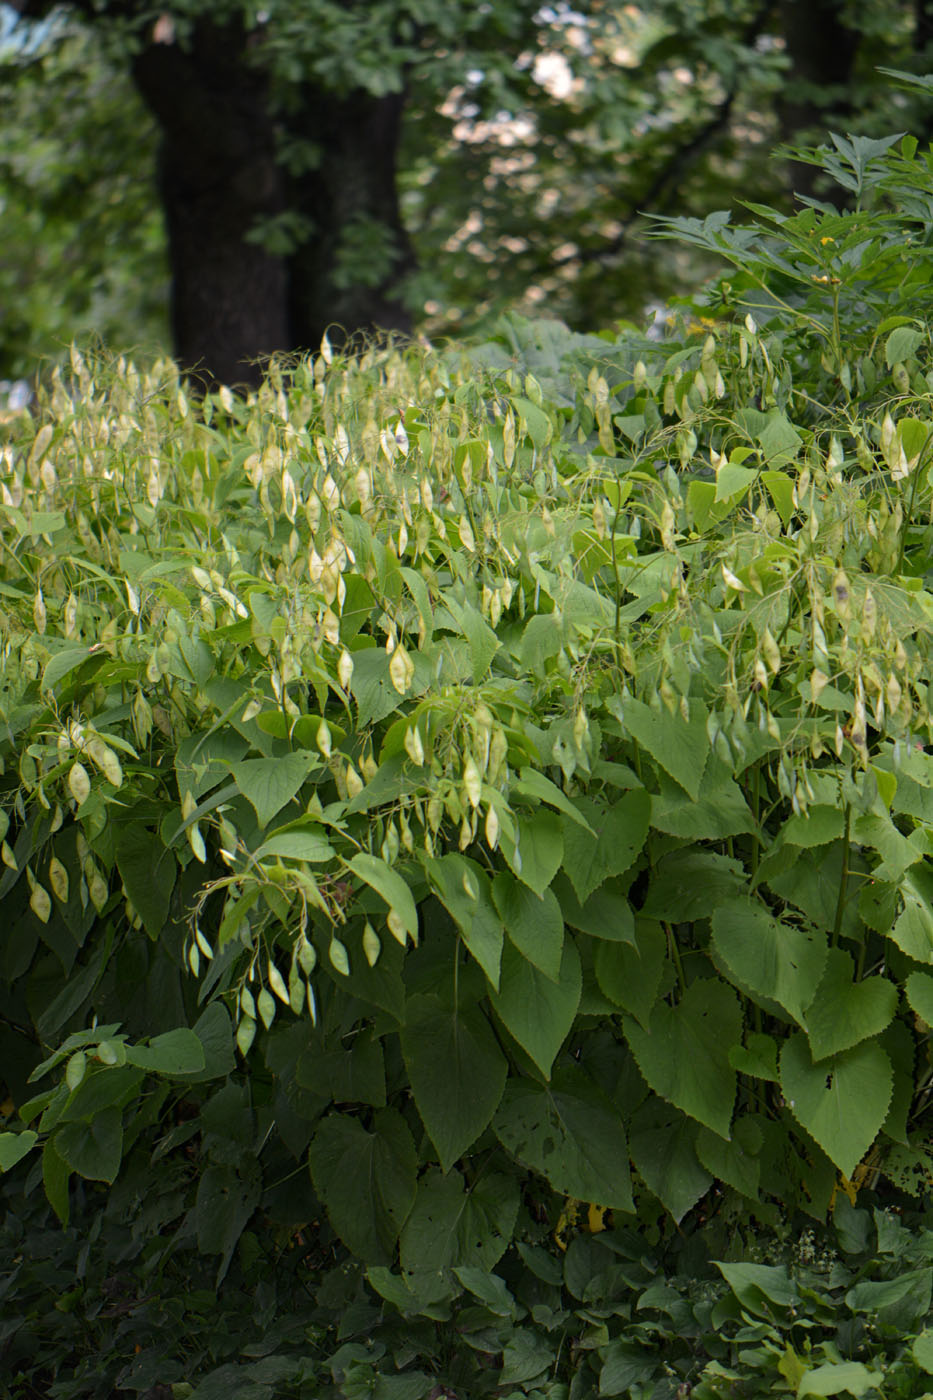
(218, 176)
(817, 93)
(233, 302)
(347, 276)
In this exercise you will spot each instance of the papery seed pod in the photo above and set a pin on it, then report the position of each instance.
(40, 903)
(58, 879)
(491, 828)
(396, 927)
(79, 783)
(245, 1034)
(472, 782)
(345, 669)
(276, 981)
(401, 670)
(353, 781)
(338, 957)
(372, 947)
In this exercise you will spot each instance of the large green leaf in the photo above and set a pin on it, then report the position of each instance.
(684, 1052)
(913, 931)
(456, 1069)
(148, 872)
(14, 1147)
(844, 1012)
(679, 746)
(620, 833)
(538, 849)
(630, 974)
(535, 1010)
(570, 1132)
(662, 1145)
(690, 884)
(225, 1201)
(366, 1179)
(269, 783)
(465, 890)
(919, 989)
(842, 1101)
(388, 883)
(533, 922)
(606, 914)
(776, 960)
(173, 1052)
(451, 1225)
(736, 1162)
(93, 1149)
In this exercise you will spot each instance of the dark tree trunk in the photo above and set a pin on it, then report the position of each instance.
(347, 277)
(218, 177)
(233, 302)
(817, 93)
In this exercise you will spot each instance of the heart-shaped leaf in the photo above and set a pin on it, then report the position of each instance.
(842, 1101)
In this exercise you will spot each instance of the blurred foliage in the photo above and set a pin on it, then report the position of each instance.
(533, 141)
(82, 250)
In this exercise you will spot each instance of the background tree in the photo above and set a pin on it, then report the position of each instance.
(396, 165)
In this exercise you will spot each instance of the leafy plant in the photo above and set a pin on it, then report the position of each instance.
(453, 802)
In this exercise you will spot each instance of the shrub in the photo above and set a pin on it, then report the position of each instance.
(448, 792)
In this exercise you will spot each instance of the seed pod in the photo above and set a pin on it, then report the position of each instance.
(372, 947)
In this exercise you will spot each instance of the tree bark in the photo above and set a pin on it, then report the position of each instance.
(218, 176)
(351, 203)
(234, 303)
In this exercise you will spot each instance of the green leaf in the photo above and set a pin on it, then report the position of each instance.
(690, 884)
(630, 975)
(389, 884)
(913, 930)
(456, 1069)
(901, 344)
(607, 913)
(842, 1101)
(269, 783)
(844, 1012)
(14, 1147)
(534, 923)
(620, 833)
(225, 1201)
(684, 1052)
(835, 1378)
(680, 747)
(570, 1132)
(736, 1162)
(919, 989)
(779, 439)
(174, 1052)
(781, 490)
(148, 872)
(757, 1057)
(765, 1290)
(489, 1288)
(310, 845)
(820, 825)
(775, 960)
(56, 1175)
(922, 1350)
(733, 480)
(535, 855)
(531, 783)
(474, 913)
(94, 1150)
(662, 1146)
(365, 1179)
(535, 1010)
(450, 1226)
